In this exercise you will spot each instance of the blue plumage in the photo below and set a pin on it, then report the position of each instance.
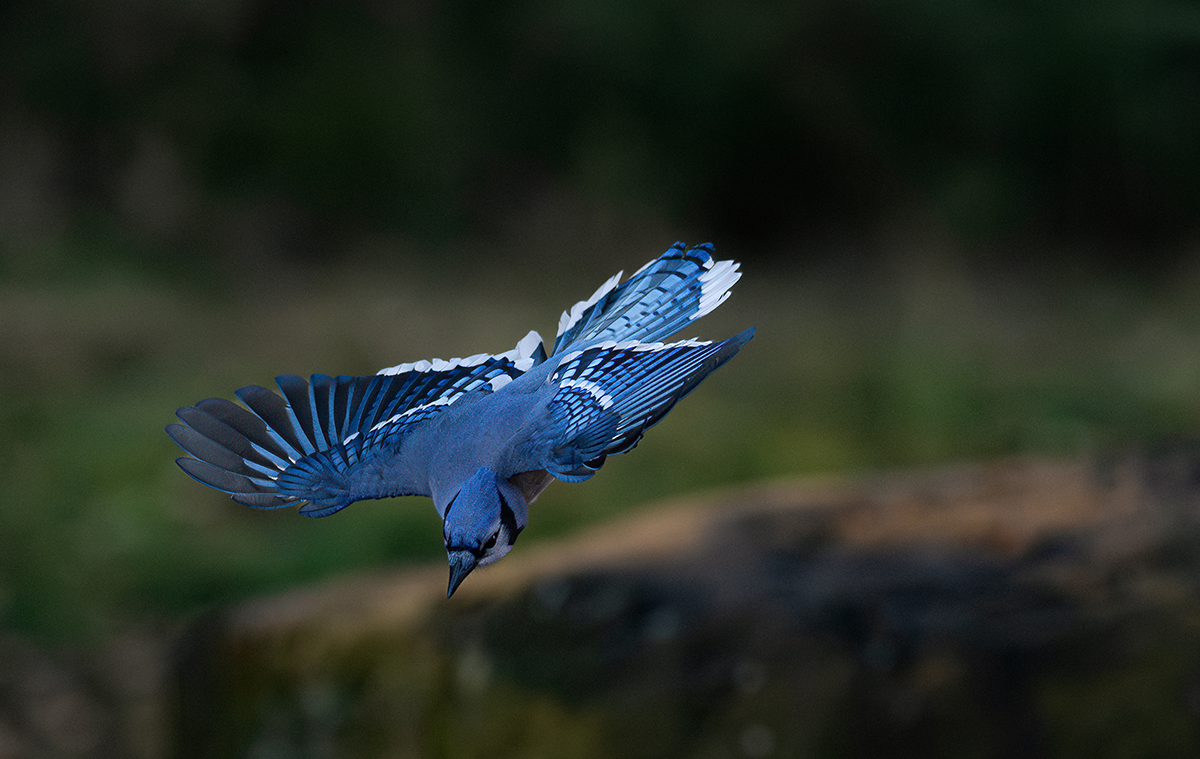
(482, 435)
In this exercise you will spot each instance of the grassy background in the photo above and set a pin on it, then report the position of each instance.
(967, 232)
(848, 372)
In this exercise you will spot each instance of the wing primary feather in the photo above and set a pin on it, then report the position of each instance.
(299, 409)
(368, 400)
(343, 401)
(302, 443)
(215, 477)
(262, 500)
(224, 435)
(206, 450)
(251, 427)
(274, 412)
(320, 398)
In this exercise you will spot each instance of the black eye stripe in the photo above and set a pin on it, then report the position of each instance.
(507, 518)
(476, 552)
(509, 522)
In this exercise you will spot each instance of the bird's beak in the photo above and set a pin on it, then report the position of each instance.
(461, 564)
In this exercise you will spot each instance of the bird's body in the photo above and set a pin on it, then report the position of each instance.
(503, 445)
(483, 435)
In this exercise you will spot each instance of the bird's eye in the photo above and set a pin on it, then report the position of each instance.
(491, 542)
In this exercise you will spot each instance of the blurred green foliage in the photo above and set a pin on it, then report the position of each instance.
(759, 122)
(197, 196)
(101, 528)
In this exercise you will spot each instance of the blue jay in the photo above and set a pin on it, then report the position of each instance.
(483, 435)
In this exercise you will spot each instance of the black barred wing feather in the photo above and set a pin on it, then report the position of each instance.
(660, 299)
(610, 394)
(303, 446)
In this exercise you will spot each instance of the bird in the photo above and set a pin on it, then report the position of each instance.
(484, 435)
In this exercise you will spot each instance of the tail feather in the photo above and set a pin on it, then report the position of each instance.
(657, 301)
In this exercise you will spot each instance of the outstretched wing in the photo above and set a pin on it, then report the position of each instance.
(610, 394)
(304, 446)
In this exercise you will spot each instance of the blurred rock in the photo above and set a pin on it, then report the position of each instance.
(1012, 609)
(106, 704)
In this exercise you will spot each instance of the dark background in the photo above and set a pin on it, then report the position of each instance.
(969, 230)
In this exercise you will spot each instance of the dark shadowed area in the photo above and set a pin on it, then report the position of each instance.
(969, 233)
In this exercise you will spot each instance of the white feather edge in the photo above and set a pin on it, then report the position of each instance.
(634, 345)
(715, 284)
(570, 317)
(604, 399)
(445, 400)
(521, 356)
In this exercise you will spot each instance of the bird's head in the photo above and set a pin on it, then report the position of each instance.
(482, 522)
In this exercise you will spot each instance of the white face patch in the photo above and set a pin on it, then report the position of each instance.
(504, 544)
(604, 399)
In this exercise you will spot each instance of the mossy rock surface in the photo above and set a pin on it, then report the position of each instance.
(1014, 609)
